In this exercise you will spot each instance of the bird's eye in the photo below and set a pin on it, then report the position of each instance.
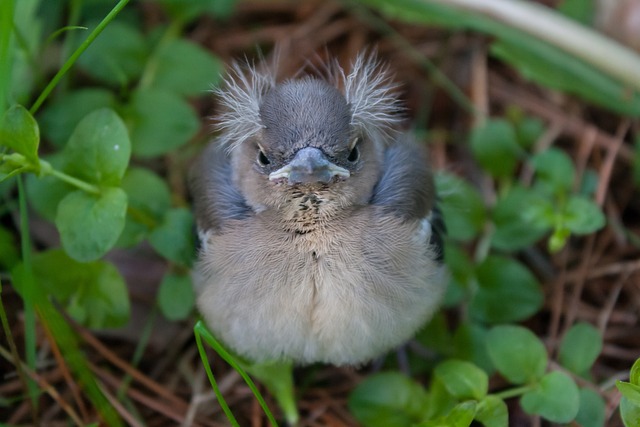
(263, 160)
(354, 155)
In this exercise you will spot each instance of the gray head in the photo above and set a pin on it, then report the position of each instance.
(306, 140)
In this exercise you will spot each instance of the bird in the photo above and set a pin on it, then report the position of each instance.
(320, 236)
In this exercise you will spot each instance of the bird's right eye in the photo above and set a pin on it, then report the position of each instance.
(263, 160)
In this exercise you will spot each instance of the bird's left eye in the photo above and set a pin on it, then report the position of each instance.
(354, 155)
(263, 160)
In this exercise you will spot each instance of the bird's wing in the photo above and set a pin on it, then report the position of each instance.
(215, 198)
(406, 188)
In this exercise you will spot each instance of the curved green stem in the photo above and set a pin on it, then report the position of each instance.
(513, 392)
(72, 59)
(89, 188)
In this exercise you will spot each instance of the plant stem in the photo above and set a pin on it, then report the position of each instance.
(6, 53)
(72, 59)
(545, 24)
(89, 188)
(513, 392)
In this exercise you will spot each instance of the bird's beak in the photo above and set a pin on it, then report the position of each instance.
(309, 166)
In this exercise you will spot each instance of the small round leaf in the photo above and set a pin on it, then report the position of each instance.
(580, 347)
(556, 398)
(517, 353)
(176, 297)
(492, 412)
(90, 225)
(387, 399)
(592, 410)
(495, 147)
(20, 132)
(98, 150)
(463, 380)
(507, 292)
(160, 122)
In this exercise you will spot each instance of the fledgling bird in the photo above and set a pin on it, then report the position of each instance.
(317, 220)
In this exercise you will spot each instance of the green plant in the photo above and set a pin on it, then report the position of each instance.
(458, 393)
(630, 403)
(82, 154)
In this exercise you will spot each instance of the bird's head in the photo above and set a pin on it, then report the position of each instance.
(309, 146)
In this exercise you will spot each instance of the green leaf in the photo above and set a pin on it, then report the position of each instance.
(159, 122)
(9, 255)
(19, 131)
(463, 380)
(93, 293)
(503, 279)
(555, 168)
(495, 147)
(582, 11)
(187, 11)
(439, 402)
(98, 150)
(175, 297)
(185, 68)
(470, 344)
(174, 238)
(517, 353)
(592, 410)
(90, 225)
(149, 199)
(630, 413)
(277, 377)
(580, 347)
(387, 399)
(583, 216)
(117, 56)
(462, 207)
(62, 115)
(462, 274)
(529, 130)
(435, 334)
(461, 415)
(630, 391)
(513, 230)
(556, 398)
(492, 412)
(634, 375)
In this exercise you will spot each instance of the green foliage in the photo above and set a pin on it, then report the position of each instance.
(555, 398)
(458, 394)
(130, 103)
(176, 297)
(580, 348)
(630, 402)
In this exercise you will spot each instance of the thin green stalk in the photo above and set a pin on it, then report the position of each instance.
(513, 392)
(6, 26)
(201, 330)
(151, 67)
(29, 292)
(72, 59)
(89, 188)
(212, 380)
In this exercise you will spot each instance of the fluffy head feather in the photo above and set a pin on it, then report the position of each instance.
(368, 90)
